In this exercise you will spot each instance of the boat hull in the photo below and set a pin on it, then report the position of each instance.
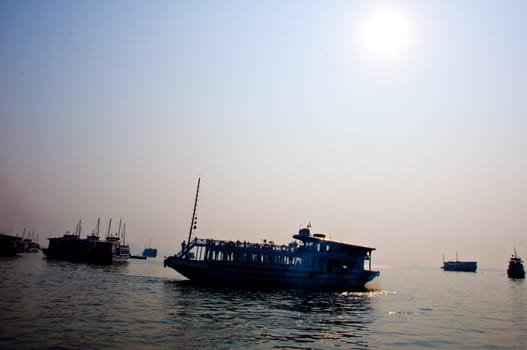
(516, 270)
(250, 275)
(82, 250)
(150, 252)
(9, 245)
(463, 266)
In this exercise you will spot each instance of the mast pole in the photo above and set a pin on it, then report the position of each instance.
(192, 223)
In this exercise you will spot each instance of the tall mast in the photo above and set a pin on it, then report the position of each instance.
(119, 232)
(109, 226)
(98, 225)
(78, 230)
(193, 222)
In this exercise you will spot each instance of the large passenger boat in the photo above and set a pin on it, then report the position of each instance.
(310, 261)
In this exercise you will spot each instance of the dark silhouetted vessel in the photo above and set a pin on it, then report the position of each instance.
(457, 265)
(311, 261)
(515, 269)
(71, 247)
(9, 244)
(150, 252)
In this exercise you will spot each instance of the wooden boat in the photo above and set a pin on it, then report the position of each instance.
(310, 261)
(28, 244)
(120, 251)
(515, 269)
(71, 247)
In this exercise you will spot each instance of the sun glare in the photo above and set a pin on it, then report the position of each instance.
(386, 33)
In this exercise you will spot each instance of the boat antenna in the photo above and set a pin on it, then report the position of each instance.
(98, 225)
(194, 222)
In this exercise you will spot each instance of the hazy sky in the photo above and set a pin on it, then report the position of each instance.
(400, 125)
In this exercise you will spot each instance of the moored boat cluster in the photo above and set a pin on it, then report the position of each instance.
(92, 249)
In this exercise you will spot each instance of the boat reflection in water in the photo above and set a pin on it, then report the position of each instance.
(311, 261)
(268, 318)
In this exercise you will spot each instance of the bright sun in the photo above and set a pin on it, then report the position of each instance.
(386, 33)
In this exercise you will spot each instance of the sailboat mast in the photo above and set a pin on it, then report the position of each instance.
(109, 226)
(193, 222)
(78, 230)
(119, 232)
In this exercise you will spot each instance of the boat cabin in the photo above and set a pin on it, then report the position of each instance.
(313, 252)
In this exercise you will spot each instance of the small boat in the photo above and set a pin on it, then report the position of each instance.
(310, 261)
(150, 252)
(457, 265)
(515, 269)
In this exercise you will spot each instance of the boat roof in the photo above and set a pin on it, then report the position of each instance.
(322, 238)
(8, 236)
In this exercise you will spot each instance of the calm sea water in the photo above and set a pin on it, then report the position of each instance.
(141, 305)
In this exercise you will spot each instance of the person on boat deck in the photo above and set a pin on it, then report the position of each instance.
(183, 244)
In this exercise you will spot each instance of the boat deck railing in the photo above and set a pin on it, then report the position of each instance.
(237, 245)
(266, 247)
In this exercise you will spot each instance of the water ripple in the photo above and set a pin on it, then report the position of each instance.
(59, 305)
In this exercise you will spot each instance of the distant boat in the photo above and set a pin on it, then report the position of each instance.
(150, 252)
(120, 251)
(457, 265)
(515, 269)
(311, 261)
(71, 247)
(27, 244)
